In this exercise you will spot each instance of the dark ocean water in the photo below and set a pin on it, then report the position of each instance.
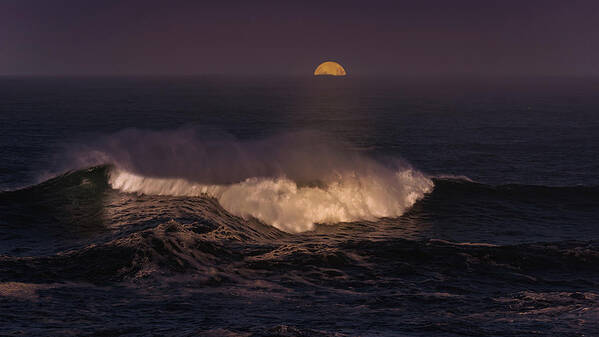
(214, 206)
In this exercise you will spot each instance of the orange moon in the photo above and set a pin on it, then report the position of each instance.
(329, 68)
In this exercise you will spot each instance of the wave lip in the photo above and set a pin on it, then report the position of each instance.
(292, 207)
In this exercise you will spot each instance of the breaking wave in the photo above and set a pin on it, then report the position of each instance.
(290, 181)
(283, 204)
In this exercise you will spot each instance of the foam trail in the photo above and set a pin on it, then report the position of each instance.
(283, 204)
(454, 177)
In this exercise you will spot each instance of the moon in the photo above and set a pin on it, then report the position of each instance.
(329, 68)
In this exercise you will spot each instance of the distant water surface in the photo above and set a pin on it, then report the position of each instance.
(299, 206)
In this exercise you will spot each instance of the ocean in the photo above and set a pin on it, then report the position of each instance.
(289, 206)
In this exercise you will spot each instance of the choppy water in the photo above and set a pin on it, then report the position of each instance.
(298, 207)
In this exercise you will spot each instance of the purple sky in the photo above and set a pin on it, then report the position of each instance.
(409, 38)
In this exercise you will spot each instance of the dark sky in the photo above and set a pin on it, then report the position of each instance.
(369, 37)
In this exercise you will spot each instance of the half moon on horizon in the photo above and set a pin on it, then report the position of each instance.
(329, 68)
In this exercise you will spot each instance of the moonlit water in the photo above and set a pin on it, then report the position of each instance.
(298, 207)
